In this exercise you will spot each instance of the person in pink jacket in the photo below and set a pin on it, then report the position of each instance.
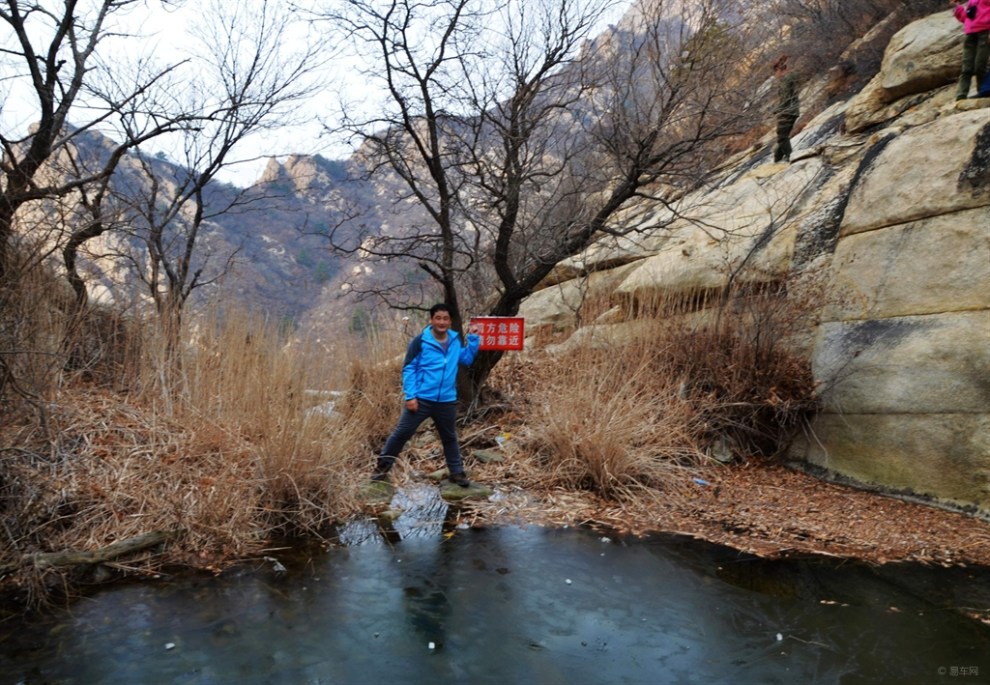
(975, 17)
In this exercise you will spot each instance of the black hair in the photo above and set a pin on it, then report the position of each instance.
(439, 307)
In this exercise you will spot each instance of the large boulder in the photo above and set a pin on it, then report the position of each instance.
(932, 265)
(560, 306)
(943, 456)
(922, 56)
(906, 365)
(745, 229)
(644, 223)
(904, 349)
(904, 181)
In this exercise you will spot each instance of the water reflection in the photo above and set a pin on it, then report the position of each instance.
(422, 601)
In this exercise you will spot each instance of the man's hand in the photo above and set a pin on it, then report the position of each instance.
(412, 405)
(476, 328)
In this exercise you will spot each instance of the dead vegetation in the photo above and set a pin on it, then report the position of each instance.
(760, 507)
(221, 454)
(249, 446)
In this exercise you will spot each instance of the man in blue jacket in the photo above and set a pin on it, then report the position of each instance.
(429, 382)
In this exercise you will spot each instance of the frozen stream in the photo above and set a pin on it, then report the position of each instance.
(426, 602)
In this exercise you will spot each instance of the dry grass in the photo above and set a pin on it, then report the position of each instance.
(635, 420)
(243, 388)
(33, 326)
(230, 454)
(606, 421)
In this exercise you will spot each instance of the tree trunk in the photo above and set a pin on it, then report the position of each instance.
(6, 234)
(138, 543)
(470, 383)
(70, 255)
(475, 377)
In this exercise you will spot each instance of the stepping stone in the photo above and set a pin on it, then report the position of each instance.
(455, 493)
(376, 492)
(389, 516)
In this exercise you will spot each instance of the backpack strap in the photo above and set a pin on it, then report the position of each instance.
(415, 347)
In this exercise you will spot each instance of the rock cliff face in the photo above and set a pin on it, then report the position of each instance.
(888, 199)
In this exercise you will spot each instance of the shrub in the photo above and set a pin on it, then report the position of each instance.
(683, 381)
(229, 458)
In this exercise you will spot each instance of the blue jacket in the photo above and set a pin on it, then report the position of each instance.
(430, 373)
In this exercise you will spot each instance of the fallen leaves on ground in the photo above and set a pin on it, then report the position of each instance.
(769, 510)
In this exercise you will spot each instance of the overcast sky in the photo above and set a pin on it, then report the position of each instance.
(165, 33)
(172, 30)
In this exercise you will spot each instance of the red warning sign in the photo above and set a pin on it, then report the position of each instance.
(499, 332)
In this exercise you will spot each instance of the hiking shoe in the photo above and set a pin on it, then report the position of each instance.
(460, 480)
(382, 467)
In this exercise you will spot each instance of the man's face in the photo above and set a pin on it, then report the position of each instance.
(440, 321)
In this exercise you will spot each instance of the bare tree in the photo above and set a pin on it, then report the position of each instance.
(54, 56)
(140, 118)
(817, 32)
(50, 60)
(247, 80)
(247, 75)
(443, 66)
(522, 138)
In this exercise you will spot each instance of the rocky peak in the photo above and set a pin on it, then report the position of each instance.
(273, 173)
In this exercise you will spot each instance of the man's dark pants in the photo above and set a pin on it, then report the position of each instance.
(444, 415)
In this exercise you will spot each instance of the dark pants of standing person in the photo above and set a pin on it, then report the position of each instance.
(785, 124)
(976, 52)
(444, 415)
